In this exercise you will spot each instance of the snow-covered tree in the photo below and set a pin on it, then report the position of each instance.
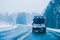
(52, 14)
(21, 18)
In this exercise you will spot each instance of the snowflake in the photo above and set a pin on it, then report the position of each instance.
(52, 1)
(59, 11)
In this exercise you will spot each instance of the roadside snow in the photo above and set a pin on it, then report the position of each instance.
(2, 25)
(6, 26)
(57, 30)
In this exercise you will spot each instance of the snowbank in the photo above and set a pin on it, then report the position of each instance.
(57, 30)
(5, 26)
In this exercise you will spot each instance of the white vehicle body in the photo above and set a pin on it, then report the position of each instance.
(38, 25)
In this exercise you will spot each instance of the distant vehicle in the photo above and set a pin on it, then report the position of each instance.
(38, 24)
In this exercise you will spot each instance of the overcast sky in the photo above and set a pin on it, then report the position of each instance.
(23, 5)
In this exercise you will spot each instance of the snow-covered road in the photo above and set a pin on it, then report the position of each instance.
(24, 32)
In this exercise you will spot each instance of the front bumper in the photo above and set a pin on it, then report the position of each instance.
(43, 29)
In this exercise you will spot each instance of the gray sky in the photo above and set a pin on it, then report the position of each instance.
(23, 5)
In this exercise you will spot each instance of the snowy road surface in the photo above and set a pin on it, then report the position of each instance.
(24, 32)
(51, 34)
